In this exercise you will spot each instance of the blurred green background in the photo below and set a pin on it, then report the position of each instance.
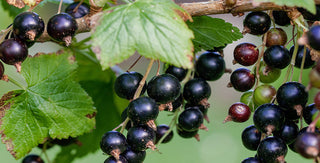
(222, 143)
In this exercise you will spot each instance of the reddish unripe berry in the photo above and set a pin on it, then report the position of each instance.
(238, 112)
(317, 100)
(276, 36)
(246, 54)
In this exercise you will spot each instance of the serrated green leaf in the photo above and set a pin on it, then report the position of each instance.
(53, 105)
(307, 4)
(151, 27)
(212, 32)
(13, 11)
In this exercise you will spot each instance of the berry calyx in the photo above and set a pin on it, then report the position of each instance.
(141, 137)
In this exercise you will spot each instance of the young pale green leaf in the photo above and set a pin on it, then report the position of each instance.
(151, 27)
(212, 32)
(13, 11)
(53, 105)
(307, 4)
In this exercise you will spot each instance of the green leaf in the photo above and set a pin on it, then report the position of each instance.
(53, 105)
(109, 106)
(151, 27)
(307, 4)
(13, 11)
(212, 32)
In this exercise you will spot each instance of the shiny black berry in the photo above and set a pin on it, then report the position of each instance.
(112, 159)
(1, 70)
(257, 23)
(281, 18)
(127, 83)
(308, 63)
(288, 133)
(161, 131)
(308, 15)
(242, 79)
(246, 54)
(251, 137)
(28, 26)
(196, 91)
(178, 72)
(251, 160)
(314, 37)
(268, 118)
(62, 27)
(308, 113)
(308, 145)
(32, 158)
(13, 51)
(187, 134)
(113, 143)
(272, 150)
(81, 11)
(142, 110)
(190, 119)
(277, 56)
(64, 142)
(134, 156)
(210, 66)
(141, 137)
(164, 88)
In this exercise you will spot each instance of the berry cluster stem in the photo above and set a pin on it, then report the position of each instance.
(302, 63)
(259, 60)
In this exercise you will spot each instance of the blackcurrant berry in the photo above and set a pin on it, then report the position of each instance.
(161, 131)
(308, 145)
(1, 70)
(127, 83)
(203, 110)
(164, 88)
(308, 112)
(210, 66)
(178, 72)
(197, 91)
(251, 137)
(276, 36)
(242, 79)
(281, 18)
(62, 27)
(64, 142)
(142, 110)
(288, 133)
(251, 160)
(257, 23)
(47, 145)
(28, 26)
(314, 37)
(308, 63)
(268, 118)
(263, 94)
(81, 11)
(112, 159)
(190, 119)
(272, 150)
(187, 134)
(134, 156)
(238, 112)
(32, 158)
(176, 104)
(308, 15)
(277, 56)
(246, 54)
(113, 143)
(13, 51)
(268, 74)
(141, 137)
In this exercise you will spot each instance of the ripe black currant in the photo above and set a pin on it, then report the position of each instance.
(257, 23)
(28, 26)
(242, 79)
(210, 66)
(64, 142)
(251, 137)
(134, 156)
(161, 131)
(197, 91)
(268, 118)
(178, 72)
(308, 112)
(308, 63)
(288, 133)
(277, 56)
(203, 110)
(308, 15)
(112, 159)
(142, 110)
(62, 27)
(187, 134)
(246, 54)
(190, 119)
(272, 150)
(1, 70)
(13, 51)
(251, 160)
(127, 83)
(238, 112)
(164, 88)
(314, 37)
(32, 158)
(281, 18)
(82, 10)
(308, 145)
(276, 36)
(141, 137)
(113, 143)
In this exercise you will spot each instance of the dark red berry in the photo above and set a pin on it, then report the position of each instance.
(178, 72)
(238, 112)
(272, 150)
(28, 26)
(13, 51)
(251, 137)
(276, 36)
(113, 143)
(246, 54)
(127, 83)
(277, 56)
(314, 37)
(161, 131)
(281, 18)
(242, 79)
(257, 23)
(210, 66)
(317, 100)
(81, 11)
(141, 137)
(32, 158)
(308, 63)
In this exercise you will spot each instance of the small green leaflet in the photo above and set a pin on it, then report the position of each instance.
(307, 4)
(212, 32)
(53, 105)
(151, 27)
